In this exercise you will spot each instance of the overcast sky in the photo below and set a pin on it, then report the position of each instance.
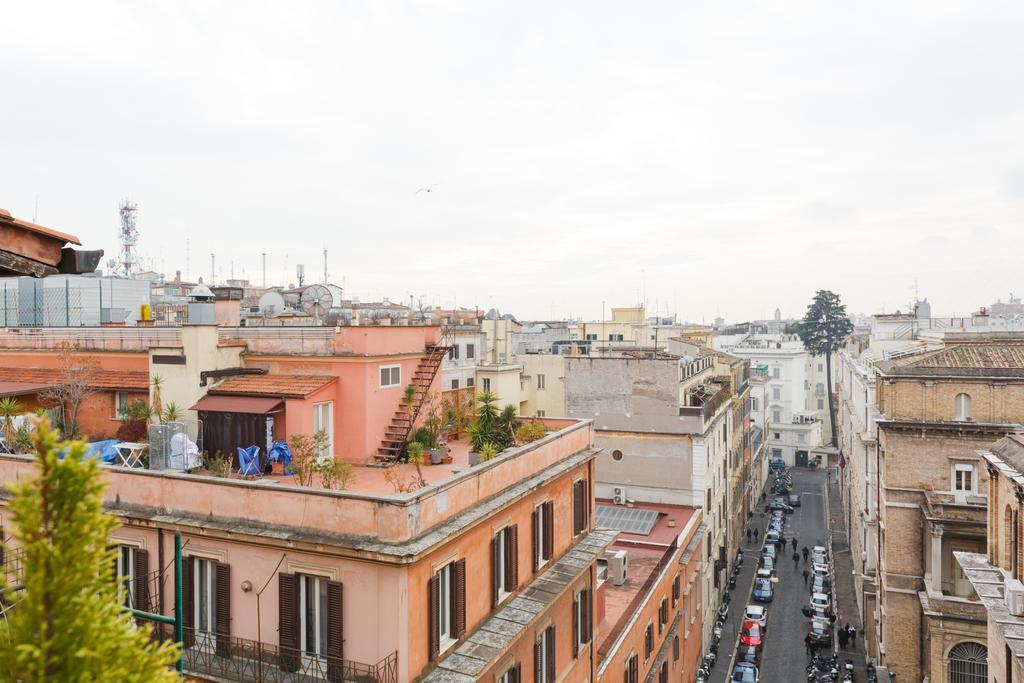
(715, 158)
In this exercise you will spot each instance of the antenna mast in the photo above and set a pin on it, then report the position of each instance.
(213, 268)
(129, 235)
(264, 270)
(325, 265)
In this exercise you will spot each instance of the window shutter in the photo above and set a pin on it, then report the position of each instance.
(460, 598)
(538, 674)
(586, 504)
(534, 525)
(576, 625)
(588, 617)
(335, 632)
(512, 558)
(549, 530)
(433, 617)
(550, 659)
(517, 673)
(141, 579)
(223, 625)
(188, 599)
(575, 508)
(288, 624)
(495, 570)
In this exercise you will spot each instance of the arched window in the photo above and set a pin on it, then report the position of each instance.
(962, 405)
(968, 663)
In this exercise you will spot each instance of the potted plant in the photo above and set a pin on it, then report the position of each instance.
(9, 409)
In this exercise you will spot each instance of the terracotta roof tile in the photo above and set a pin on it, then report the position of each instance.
(286, 386)
(1002, 358)
(105, 379)
(6, 217)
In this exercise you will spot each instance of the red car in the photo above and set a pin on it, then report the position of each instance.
(751, 634)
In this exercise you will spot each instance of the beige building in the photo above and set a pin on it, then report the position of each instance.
(1001, 659)
(936, 410)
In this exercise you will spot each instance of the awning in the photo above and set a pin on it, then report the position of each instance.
(19, 388)
(237, 404)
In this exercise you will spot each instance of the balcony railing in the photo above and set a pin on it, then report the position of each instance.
(247, 661)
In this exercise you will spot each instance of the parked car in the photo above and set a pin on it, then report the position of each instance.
(777, 465)
(769, 550)
(768, 563)
(779, 505)
(751, 633)
(820, 633)
(820, 601)
(821, 584)
(745, 673)
(773, 537)
(749, 654)
(820, 570)
(794, 500)
(764, 590)
(763, 573)
(756, 613)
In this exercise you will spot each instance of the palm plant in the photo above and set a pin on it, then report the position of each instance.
(508, 421)
(172, 413)
(156, 382)
(9, 408)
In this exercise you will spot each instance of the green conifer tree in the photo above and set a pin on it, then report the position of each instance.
(66, 623)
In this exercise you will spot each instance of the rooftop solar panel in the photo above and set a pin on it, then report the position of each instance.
(629, 520)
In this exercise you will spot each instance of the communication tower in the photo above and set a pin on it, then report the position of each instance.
(128, 263)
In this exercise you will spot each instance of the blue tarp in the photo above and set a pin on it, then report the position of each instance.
(104, 450)
(249, 461)
(279, 452)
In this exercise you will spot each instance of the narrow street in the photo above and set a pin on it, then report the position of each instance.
(784, 656)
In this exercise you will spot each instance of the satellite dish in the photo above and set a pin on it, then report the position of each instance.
(271, 303)
(316, 300)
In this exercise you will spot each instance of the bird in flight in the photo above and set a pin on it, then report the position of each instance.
(427, 189)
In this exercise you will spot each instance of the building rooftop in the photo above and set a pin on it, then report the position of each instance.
(127, 380)
(5, 217)
(1003, 358)
(990, 584)
(285, 386)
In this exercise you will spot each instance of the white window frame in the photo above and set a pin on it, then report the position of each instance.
(821, 404)
(487, 384)
(470, 381)
(580, 615)
(121, 402)
(318, 410)
(540, 413)
(507, 677)
(392, 382)
(776, 415)
(470, 351)
(775, 373)
(538, 530)
(962, 408)
(445, 616)
(971, 473)
(126, 575)
(501, 540)
(545, 652)
(540, 381)
(313, 661)
(455, 384)
(204, 584)
(776, 393)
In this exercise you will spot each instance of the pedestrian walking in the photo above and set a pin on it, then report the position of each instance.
(796, 560)
(843, 637)
(805, 553)
(853, 635)
(794, 544)
(756, 534)
(812, 648)
(806, 574)
(748, 534)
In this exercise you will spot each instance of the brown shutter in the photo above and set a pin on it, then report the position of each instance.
(495, 572)
(576, 626)
(335, 632)
(188, 598)
(586, 505)
(538, 674)
(517, 673)
(550, 661)
(141, 579)
(460, 598)
(223, 616)
(533, 532)
(512, 558)
(433, 616)
(549, 530)
(288, 620)
(576, 508)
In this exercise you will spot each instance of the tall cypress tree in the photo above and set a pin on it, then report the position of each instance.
(823, 330)
(67, 623)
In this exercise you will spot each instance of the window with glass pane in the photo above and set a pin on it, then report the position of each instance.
(204, 588)
(323, 421)
(313, 615)
(125, 575)
(445, 618)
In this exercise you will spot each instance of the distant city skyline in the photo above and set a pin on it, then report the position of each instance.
(713, 160)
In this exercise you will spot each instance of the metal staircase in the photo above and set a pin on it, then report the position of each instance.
(397, 434)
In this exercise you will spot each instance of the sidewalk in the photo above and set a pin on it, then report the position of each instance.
(846, 599)
(740, 597)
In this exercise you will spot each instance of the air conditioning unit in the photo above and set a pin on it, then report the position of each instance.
(1014, 597)
(618, 566)
(619, 495)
